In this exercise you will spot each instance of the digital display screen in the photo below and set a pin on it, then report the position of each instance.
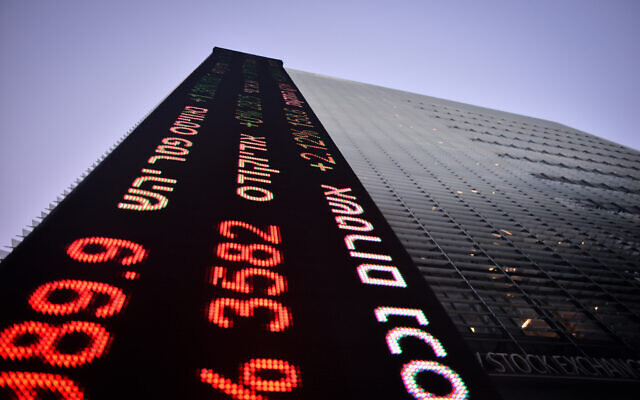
(225, 250)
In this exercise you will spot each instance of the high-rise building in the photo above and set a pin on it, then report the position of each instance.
(226, 249)
(528, 231)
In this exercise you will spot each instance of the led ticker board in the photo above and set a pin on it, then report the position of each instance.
(225, 250)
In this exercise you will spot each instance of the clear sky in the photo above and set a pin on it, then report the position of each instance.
(76, 75)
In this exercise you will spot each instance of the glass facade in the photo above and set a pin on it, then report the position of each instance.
(527, 230)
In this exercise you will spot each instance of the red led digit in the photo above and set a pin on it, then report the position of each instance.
(228, 387)
(30, 385)
(240, 284)
(108, 250)
(250, 376)
(45, 333)
(272, 236)
(245, 308)
(45, 339)
(84, 292)
(131, 275)
(247, 252)
(251, 370)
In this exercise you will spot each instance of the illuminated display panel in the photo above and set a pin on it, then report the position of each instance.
(225, 250)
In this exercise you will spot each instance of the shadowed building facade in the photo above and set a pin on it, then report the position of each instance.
(527, 230)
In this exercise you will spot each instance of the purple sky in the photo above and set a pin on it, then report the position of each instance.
(76, 75)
